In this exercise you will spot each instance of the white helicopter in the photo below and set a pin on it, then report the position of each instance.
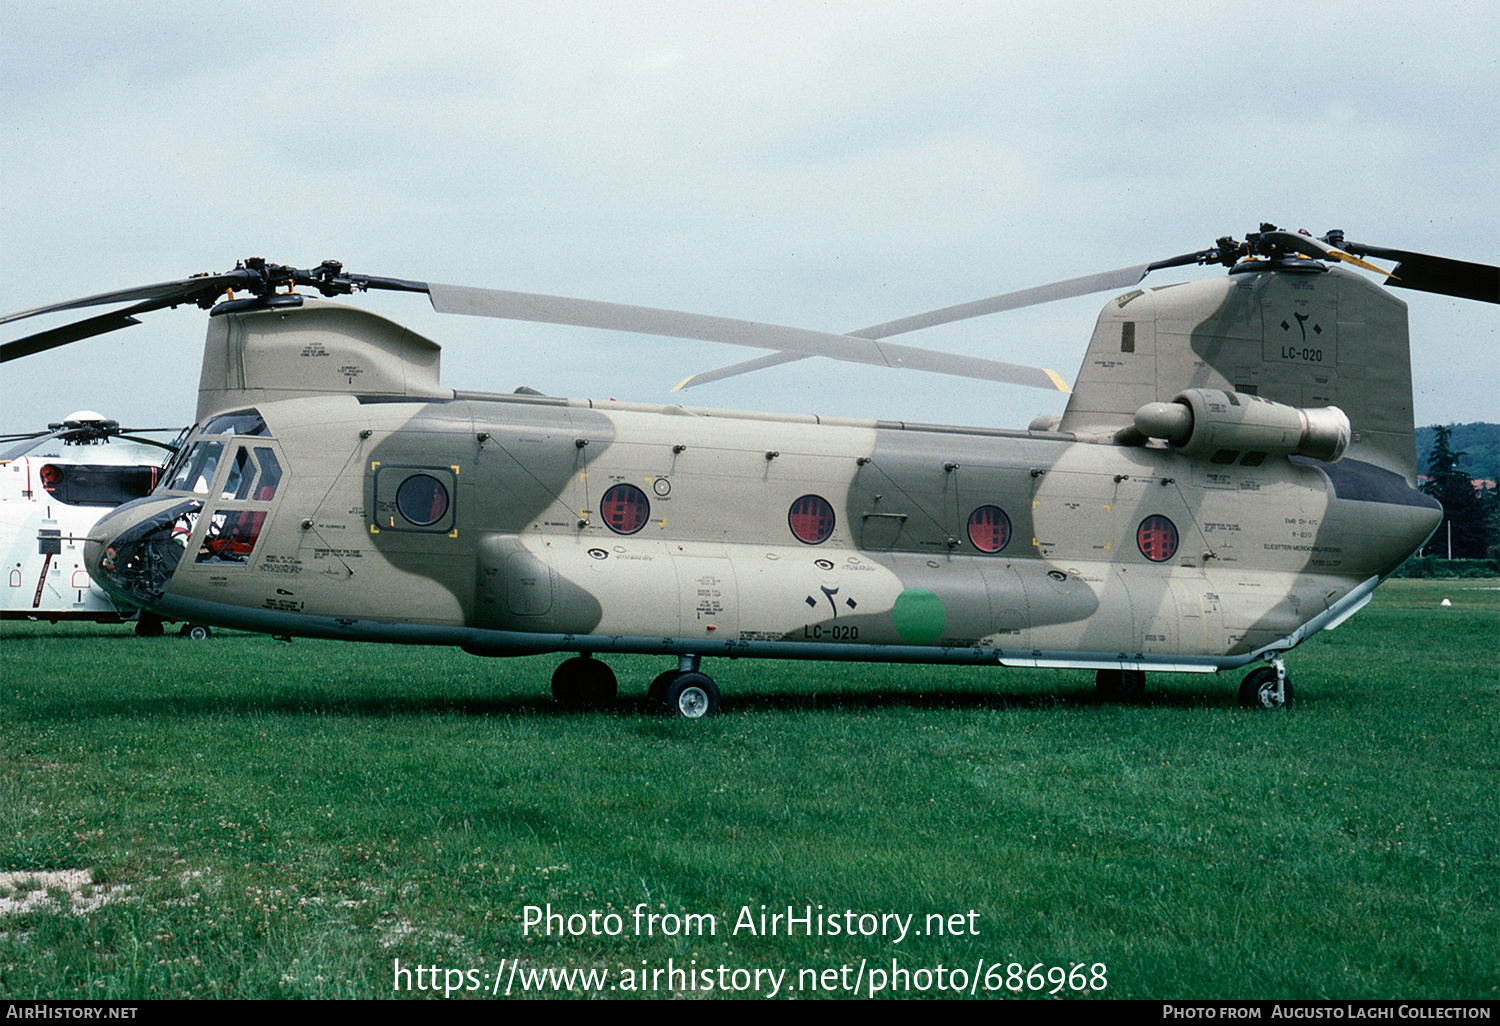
(54, 486)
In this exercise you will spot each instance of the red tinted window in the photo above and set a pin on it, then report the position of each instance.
(625, 509)
(989, 528)
(811, 519)
(421, 499)
(1157, 538)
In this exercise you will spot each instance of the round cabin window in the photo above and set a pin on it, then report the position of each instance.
(625, 509)
(811, 519)
(1157, 538)
(989, 528)
(422, 500)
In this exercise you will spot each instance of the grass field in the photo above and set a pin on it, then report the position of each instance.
(250, 818)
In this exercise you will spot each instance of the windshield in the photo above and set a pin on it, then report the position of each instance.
(196, 471)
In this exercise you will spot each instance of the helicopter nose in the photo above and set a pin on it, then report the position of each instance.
(134, 549)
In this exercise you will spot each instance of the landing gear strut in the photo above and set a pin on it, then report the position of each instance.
(1120, 685)
(1267, 687)
(583, 682)
(685, 692)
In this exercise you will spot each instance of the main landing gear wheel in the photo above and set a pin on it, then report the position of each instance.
(195, 632)
(1120, 685)
(691, 696)
(656, 694)
(1261, 690)
(584, 683)
(148, 627)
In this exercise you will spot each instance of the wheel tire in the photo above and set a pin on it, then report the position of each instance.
(1120, 684)
(581, 683)
(1258, 690)
(692, 696)
(656, 694)
(195, 632)
(148, 627)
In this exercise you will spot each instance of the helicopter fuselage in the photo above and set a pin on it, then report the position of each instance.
(520, 524)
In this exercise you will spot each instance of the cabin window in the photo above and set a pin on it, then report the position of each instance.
(422, 500)
(625, 509)
(989, 528)
(1157, 538)
(418, 499)
(811, 519)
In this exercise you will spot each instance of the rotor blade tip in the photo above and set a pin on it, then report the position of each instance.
(683, 383)
(1057, 380)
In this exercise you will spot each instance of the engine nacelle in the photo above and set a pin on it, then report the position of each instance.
(1230, 427)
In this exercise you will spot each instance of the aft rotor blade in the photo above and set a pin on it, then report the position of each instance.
(1458, 278)
(759, 363)
(1316, 248)
(588, 313)
(1125, 277)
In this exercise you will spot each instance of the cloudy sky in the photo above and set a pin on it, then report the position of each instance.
(823, 165)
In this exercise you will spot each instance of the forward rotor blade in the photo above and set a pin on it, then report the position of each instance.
(171, 292)
(1458, 278)
(44, 340)
(588, 313)
(78, 330)
(1125, 277)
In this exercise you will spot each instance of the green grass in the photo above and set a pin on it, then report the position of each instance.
(284, 820)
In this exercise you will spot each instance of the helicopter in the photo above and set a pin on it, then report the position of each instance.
(1235, 471)
(54, 486)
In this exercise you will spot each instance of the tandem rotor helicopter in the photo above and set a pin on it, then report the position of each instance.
(1234, 471)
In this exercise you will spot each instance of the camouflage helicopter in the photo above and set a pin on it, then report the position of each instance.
(1234, 471)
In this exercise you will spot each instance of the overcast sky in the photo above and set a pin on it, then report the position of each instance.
(822, 165)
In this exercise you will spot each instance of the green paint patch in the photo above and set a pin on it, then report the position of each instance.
(920, 616)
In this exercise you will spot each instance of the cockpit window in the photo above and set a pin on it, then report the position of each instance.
(231, 536)
(252, 478)
(196, 472)
(270, 473)
(240, 422)
(237, 484)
